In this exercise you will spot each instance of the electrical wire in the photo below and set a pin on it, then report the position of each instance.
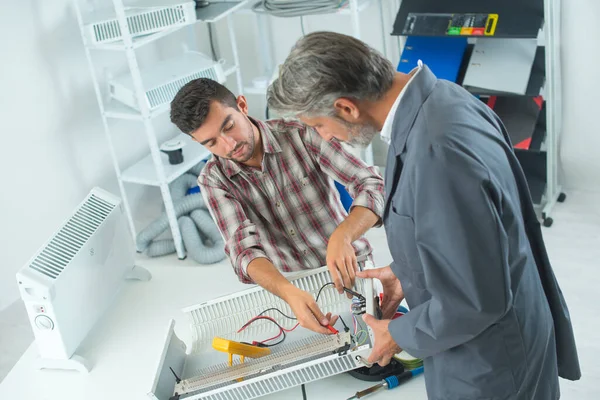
(278, 310)
(297, 8)
(273, 338)
(283, 330)
(362, 341)
(323, 287)
(266, 318)
(343, 323)
(302, 25)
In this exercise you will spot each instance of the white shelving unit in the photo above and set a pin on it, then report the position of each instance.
(153, 169)
(351, 8)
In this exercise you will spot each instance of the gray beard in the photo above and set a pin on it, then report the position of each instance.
(361, 135)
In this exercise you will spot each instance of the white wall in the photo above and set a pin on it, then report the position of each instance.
(54, 148)
(581, 90)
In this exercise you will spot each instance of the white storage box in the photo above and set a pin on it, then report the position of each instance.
(303, 357)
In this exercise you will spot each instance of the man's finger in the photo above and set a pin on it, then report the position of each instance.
(308, 321)
(374, 356)
(351, 267)
(388, 309)
(370, 273)
(335, 275)
(316, 312)
(351, 270)
(385, 360)
(369, 319)
(344, 270)
(341, 266)
(332, 320)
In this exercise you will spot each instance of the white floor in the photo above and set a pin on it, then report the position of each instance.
(574, 246)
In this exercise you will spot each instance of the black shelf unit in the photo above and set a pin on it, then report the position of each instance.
(522, 116)
(518, 18)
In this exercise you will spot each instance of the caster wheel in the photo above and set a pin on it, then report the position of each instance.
(181, 259)
(548, 222)
(561, 197)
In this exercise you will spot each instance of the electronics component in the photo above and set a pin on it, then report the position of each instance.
(242, 349)
(163, 80)
(304, 356)
(72, 280)
(388, 383)
(280, 358)
(104, 27)
(425, 24)
(359, 306)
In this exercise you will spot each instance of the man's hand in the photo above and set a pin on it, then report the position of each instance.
(341, 261)
(392, 289)
(307, 311)
(385, 347)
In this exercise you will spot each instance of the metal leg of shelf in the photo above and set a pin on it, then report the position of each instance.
(236, 57)
(399, 39)
(383, 27)
(553, 101)
(106, 128)
(149, 128)
(550, 203)
(170, 209)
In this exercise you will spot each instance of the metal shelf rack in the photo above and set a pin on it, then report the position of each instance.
(153, 169)
(520, 20)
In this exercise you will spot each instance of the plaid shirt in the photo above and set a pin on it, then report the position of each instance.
(287, 211)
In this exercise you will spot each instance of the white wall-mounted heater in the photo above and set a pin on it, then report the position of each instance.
(154, 16)
(73, 279)
(163, 80)
(202, 373)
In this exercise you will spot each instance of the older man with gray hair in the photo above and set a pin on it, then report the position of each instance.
(486, 312)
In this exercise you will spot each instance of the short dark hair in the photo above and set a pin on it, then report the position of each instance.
(190, 106)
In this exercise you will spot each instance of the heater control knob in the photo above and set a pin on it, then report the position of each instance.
(44, 323)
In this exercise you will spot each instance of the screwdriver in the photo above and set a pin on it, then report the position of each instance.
(390, 382)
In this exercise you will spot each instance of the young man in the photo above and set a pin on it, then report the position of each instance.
(270, 188)
(487, 313)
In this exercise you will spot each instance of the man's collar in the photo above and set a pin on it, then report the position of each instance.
(412, 100)
(269, 143)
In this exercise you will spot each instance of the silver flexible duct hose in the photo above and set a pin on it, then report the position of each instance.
(296, 8)
(201, 237)
(200, 224)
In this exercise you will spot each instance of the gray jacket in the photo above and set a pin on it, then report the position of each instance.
(486, 312)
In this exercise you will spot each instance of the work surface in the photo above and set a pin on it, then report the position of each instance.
(125, 348)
